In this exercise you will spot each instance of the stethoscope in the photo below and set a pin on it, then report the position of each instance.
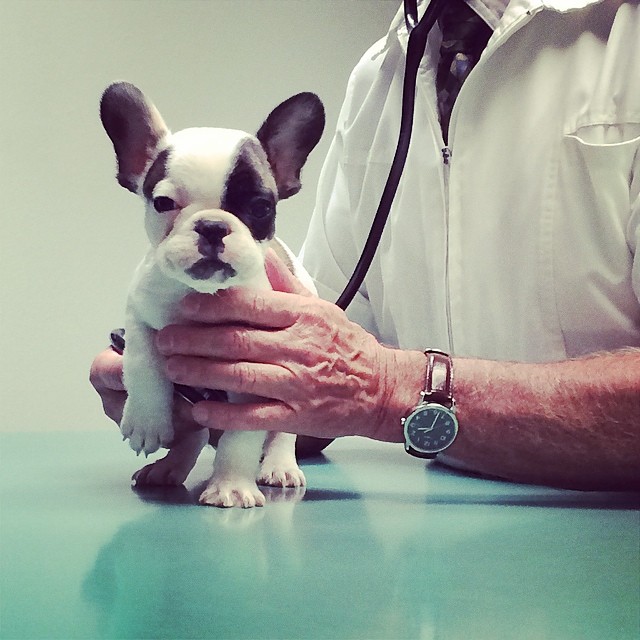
(418, 33)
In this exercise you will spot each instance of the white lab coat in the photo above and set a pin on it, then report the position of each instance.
(523, 246)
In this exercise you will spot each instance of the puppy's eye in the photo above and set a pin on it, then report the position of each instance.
(162, 204)
(261, 207)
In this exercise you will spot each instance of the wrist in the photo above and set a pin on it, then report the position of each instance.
(402, 381)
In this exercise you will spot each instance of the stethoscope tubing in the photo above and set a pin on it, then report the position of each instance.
(418, 34)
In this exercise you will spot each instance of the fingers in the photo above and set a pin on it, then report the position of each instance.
(236, 377)
(240, 305)
(270, 415)
(113, 404)
(223, 342)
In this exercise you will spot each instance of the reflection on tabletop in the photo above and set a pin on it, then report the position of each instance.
(378, 546)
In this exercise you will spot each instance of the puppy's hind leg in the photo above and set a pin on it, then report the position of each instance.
(173, 469)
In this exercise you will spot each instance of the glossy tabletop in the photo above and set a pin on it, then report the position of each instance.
(378, 546)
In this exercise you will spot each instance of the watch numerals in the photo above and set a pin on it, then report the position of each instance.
(431, 429)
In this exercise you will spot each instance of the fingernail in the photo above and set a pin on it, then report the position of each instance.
(164, 342)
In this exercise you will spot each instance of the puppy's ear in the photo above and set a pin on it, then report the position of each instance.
(135, 128)
(288, 135)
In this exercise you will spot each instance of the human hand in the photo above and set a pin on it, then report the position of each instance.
(106, 378)
(318, 373)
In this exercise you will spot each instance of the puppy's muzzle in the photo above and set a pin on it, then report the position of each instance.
(211, 234)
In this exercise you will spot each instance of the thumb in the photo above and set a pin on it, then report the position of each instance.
(280, 276)
(106, 371)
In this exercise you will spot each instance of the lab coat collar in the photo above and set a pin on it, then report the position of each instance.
(514, 13)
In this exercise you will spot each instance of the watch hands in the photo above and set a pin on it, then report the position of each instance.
(431, 428)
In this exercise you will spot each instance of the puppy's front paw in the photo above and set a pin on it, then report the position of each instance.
(273, 474)
(232, 493)
(146, 436)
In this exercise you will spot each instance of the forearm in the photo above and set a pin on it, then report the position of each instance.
(574, 423)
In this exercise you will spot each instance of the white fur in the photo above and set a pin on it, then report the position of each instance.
(200, 162)
(196, 170)
(159, 284)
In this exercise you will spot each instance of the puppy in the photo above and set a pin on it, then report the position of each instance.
(210, 197)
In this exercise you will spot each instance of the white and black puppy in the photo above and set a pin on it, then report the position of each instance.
(210, 196)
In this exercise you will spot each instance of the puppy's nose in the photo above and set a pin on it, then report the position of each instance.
(211, 232)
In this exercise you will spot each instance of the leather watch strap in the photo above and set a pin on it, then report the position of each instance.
(439, 378)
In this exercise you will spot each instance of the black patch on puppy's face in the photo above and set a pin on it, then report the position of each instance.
(248, 198)
(157, 171)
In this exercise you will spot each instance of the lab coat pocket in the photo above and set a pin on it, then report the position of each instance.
(599, 162)
(591, 256)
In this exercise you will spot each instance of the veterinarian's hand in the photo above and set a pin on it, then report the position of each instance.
(319, 373)
(106, 378)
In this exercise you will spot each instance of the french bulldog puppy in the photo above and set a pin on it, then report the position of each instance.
(210, 200)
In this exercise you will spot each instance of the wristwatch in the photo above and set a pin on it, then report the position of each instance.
(432, 425)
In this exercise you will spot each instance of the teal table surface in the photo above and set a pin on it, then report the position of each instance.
(379, 545)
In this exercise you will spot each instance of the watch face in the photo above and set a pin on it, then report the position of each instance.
(430, 428)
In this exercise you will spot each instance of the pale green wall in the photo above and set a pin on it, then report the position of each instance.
(70, 237)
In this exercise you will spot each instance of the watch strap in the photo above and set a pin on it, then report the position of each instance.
(437, 397)
(439, 378)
